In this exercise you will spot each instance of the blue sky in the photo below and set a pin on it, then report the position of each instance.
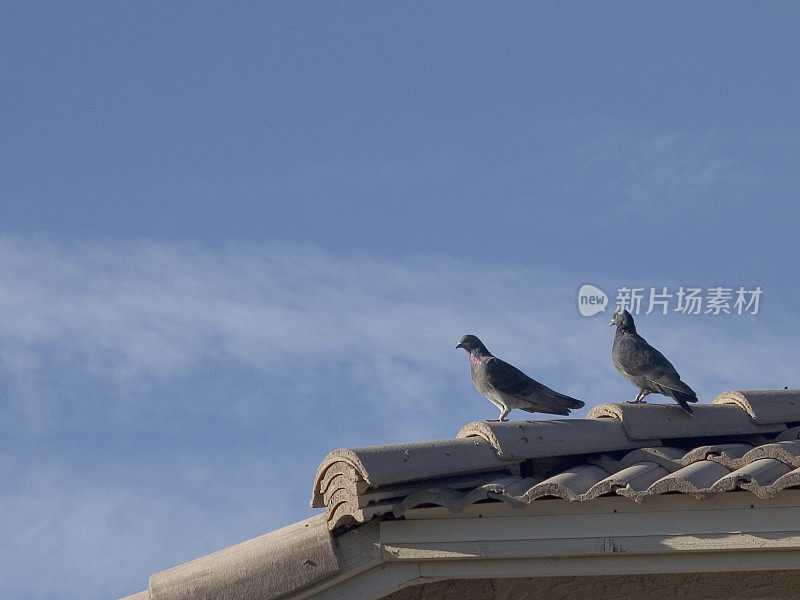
(234, 238)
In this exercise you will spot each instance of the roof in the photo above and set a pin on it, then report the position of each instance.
(278, 562)
(743, 440)
(389, 508)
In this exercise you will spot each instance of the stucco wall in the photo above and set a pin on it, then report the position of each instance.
(773, 585)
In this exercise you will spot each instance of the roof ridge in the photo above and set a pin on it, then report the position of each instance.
(665, 421)
(764, 406)
(521, 440)
(356, 484)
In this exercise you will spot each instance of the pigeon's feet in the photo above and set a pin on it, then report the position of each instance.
(639, 398)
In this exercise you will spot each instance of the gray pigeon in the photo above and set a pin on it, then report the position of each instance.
(644, 366)
(507, 387)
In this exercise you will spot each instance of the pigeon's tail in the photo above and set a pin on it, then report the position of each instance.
(552, 404)
(567, 403)
(683, 400)
(575, 403)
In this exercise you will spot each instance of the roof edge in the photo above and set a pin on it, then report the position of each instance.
(145, 595)
(267, 566)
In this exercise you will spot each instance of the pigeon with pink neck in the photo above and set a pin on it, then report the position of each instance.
(507, 387)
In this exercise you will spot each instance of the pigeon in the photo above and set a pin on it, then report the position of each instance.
(644, 366)
(507, 387)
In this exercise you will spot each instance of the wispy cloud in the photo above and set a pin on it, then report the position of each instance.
(657, 175)
(144, 313)
(164, 400)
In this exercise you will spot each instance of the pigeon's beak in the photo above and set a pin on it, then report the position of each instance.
(612, 323)
(459, 346)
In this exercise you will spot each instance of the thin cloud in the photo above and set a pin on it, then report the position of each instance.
(658, 174)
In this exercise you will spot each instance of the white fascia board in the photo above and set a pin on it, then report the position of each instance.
(667, 534)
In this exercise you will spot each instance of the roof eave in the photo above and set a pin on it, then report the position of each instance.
(668, 534)
(610, 535)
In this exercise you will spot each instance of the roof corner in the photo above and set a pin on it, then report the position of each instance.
(335, 458)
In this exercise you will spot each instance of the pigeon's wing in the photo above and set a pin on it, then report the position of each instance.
(637, 358)
(673, 382)
(509, 380)
(633, 355)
